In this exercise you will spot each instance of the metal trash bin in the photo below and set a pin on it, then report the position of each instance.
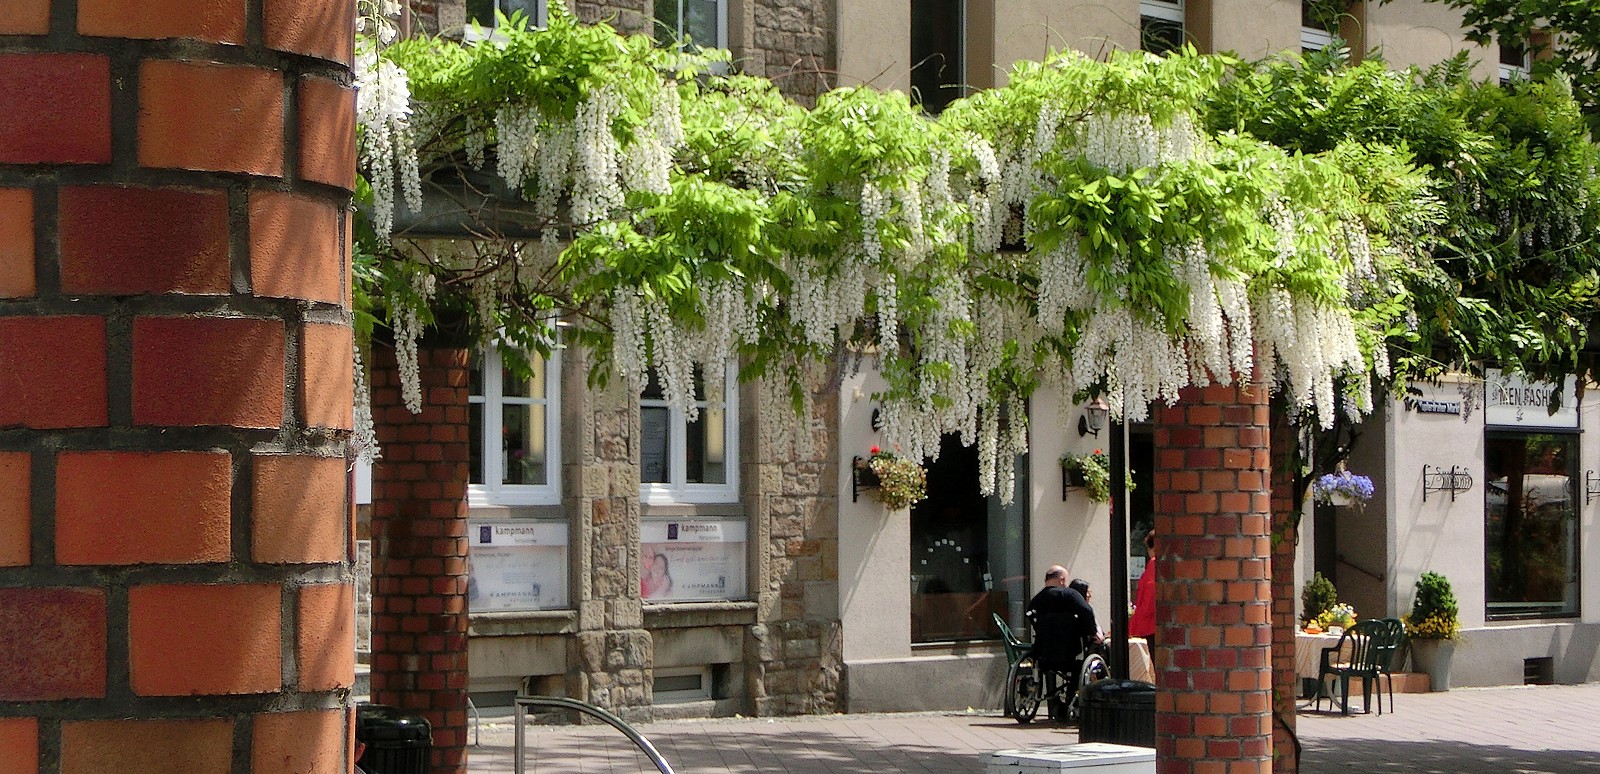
(1120, 712)
(398, 742)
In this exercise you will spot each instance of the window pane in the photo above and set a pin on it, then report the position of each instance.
(524, 459)
(1530, 525)
(475, 382)
(968, 553)
(938, 61)
(706, 450)
(655, 443)
(475, 443)
(652, 388)
(529, 8)
(700, 22)
(481, 11)
(532, 387)
(1159, 36)
(666, 31)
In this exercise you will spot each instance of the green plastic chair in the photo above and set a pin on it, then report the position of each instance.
(1366, 650)
(1015, 648)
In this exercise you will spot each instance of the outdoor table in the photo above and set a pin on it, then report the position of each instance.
(1308, 652)
(1140, 667)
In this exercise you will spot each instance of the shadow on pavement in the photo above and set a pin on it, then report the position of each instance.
(1439, 757)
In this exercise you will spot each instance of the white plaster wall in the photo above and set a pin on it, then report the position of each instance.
(1414, 32)
(874, 543)
(1075, 533)
(875, 44)
(1438, 535)
(1589, 511)
(1029, 29)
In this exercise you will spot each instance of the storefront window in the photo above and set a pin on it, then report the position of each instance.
(968, 552)
(1530, 524)
(517, 565)
(689, 560)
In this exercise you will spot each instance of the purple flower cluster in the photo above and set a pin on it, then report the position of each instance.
(1356, 487)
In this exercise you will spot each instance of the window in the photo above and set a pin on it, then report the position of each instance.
(1161, 25)
(513, 433)
(683, 461)
(516, 565)
(704, 23)
(483, 15)
(938, 52)
(1516, 62)
(1530, 524)
(968, 552)
(1317, 28)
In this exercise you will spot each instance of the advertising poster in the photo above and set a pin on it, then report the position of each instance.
(517, 565)
(692, 560)
(1513, 401)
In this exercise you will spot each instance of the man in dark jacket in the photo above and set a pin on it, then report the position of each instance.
(1063, 622)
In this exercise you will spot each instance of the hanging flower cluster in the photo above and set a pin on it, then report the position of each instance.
(385, 145)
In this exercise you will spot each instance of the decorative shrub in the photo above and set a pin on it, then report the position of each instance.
(1318, 597)
(1434, 613)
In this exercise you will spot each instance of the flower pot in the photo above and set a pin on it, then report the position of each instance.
(1433, 657)
(1340, 498)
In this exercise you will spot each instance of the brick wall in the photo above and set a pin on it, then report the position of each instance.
(174, 386)
(419, 547)
(1213, 660)
(1285, 535)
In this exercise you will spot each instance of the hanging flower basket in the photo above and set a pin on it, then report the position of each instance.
(895, 481)
(1342, 488)
(1090, 471)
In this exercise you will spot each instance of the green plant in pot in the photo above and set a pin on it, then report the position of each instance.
(1091, 471)
(1317, 598)
(1434, 625)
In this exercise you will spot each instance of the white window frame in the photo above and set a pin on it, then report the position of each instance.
(722, 23)
(491, 492)
(1522, 72)
(1314, 39)
(474, 32)
(679, 490)
(703, 693)
(1162, 10)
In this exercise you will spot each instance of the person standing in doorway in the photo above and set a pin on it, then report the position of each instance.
(1143, 621)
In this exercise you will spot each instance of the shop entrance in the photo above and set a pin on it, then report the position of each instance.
(968, 552)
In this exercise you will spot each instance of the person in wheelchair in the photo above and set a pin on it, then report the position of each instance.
(1064, 639)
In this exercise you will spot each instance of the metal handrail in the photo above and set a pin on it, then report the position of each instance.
(520, 735)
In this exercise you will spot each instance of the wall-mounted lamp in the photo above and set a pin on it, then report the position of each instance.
(1093, 417)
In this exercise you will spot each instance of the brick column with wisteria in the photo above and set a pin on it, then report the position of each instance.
(1213, 612)
(175, 386)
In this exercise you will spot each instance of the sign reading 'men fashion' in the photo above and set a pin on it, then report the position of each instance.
(698, 559)
(517, 565)
(1510, 400)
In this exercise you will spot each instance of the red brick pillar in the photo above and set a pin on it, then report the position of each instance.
(419, 548)
(1213, 707)
(1285, 534)
(175, 386)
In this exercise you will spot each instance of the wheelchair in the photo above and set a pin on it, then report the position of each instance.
(1031, 682)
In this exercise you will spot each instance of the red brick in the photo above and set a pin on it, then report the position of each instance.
(146, 746)
(16, 509)
(52, 643)
(313, 27)
(26, 17)
(55, 109)
(55, 373)
(328, 368)
(327, 123)
(142, 507)
(205, 371)
(240, 653)
(224, 118)
(16, 243)
(128, 241)
(300, 514)
(217, 21)
(294, 249)
(306, 742)
(19, 744)
(325, 644)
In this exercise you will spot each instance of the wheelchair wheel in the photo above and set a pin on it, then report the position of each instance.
(1094, 668)
(1022, 691)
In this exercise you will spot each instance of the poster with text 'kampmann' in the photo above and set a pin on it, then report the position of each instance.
(692, 560)
(517, 565)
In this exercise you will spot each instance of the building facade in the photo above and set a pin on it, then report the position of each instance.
(664, 565)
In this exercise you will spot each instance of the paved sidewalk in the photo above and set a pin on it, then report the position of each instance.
(1520, 730)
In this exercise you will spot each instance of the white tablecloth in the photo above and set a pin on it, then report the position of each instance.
(1140, 666)
(1308, 652)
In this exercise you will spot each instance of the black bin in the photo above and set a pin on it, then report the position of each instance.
(1119, 712)
(398, 742)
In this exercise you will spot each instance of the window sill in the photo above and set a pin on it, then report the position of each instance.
(681, 615)
(503, 624)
